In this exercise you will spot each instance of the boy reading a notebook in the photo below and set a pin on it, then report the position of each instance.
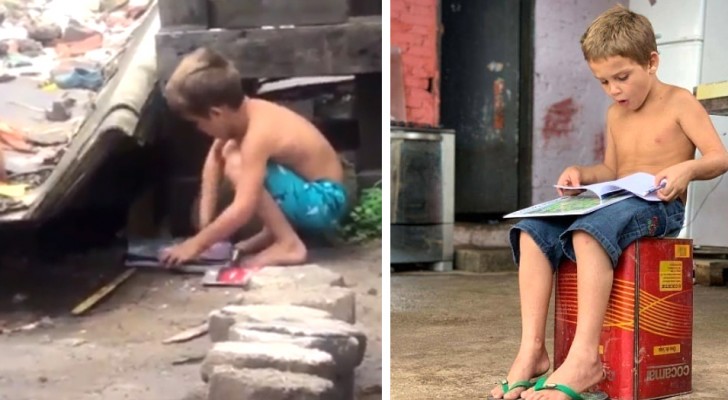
(652, 127)
(280, 166)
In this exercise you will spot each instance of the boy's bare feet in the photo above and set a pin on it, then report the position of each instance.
(282, 252)
(579, 372)
(528, 364)
(255, 243)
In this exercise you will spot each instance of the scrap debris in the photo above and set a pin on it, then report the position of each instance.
(187, 334)
(55, 55)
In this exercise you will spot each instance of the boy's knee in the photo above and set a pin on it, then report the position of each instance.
(583, 238)
(525, 239)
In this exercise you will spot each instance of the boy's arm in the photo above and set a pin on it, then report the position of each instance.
(696, 124)
(211, 174)
(694, 121)
(254, 154)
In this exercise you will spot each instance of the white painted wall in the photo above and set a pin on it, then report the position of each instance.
(569, 105)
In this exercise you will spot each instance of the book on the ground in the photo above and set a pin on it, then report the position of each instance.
(594, 197)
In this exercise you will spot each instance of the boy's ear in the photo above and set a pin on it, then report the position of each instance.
(215, 112)
(654, 62)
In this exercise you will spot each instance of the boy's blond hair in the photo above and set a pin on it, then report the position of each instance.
(619, 32)
(203, 79)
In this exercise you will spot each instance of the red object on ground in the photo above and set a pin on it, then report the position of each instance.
(234, 275)
(239, 276)
(12, 139)
(79, 47)
(646, 343)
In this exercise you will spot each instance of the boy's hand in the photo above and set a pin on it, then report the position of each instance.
(677, 179)
(181, 253)
(570, 177)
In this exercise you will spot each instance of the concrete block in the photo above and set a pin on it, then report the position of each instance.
(276, 355)
(290, 278)
(228, 383)
(484, 260)
(344, 349)
(482, 235)
(221, 320)
(711, 272)
(333, 333)
(339, 302)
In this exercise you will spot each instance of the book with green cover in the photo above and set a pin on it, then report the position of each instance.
(594, 197)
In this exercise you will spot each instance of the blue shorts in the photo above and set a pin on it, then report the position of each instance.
(615, 227)
(317, 205)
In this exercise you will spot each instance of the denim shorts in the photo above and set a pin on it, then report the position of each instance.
(615, 227)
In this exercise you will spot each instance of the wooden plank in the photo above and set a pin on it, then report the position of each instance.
(187, 334)
(365, 7)
(183, 13)
(235, 14)
(101, 293)
(354, 47)
(711, 272)
(368, 109)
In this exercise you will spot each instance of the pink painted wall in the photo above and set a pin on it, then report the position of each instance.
(569, 105)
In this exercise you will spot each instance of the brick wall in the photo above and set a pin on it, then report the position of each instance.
(414, 30)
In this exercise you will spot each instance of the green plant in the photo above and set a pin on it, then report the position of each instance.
(365, 220)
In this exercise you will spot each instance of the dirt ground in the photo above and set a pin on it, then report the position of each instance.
(455, 334)
(114, 351)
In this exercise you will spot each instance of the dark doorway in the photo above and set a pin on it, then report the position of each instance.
(486, 58)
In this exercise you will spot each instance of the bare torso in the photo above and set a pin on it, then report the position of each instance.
(650, 139)
(289, 139)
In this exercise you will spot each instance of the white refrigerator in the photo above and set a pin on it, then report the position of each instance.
(691, 39)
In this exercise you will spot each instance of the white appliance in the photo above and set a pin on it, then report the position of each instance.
(691, 37)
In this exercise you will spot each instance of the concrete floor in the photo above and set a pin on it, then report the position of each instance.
(454, 334)
(114, 352)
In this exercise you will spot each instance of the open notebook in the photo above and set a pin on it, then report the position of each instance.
(594, 197)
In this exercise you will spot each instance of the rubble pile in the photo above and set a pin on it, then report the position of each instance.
(55, 57)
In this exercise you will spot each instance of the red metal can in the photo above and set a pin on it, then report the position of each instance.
(646, 342)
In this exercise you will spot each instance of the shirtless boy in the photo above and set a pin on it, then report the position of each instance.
(281, 167)
(652, 127)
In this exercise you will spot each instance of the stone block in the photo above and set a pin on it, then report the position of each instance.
(333, 334)
(276, 355)
(228, 383)
(291, 278)
(344, 349)
(221, 320)
(339, 302)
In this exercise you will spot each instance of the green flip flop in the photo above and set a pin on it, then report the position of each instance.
(507, 388)
(542, 385)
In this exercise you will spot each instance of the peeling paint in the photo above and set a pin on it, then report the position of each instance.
(499, 105)
(558, 121)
